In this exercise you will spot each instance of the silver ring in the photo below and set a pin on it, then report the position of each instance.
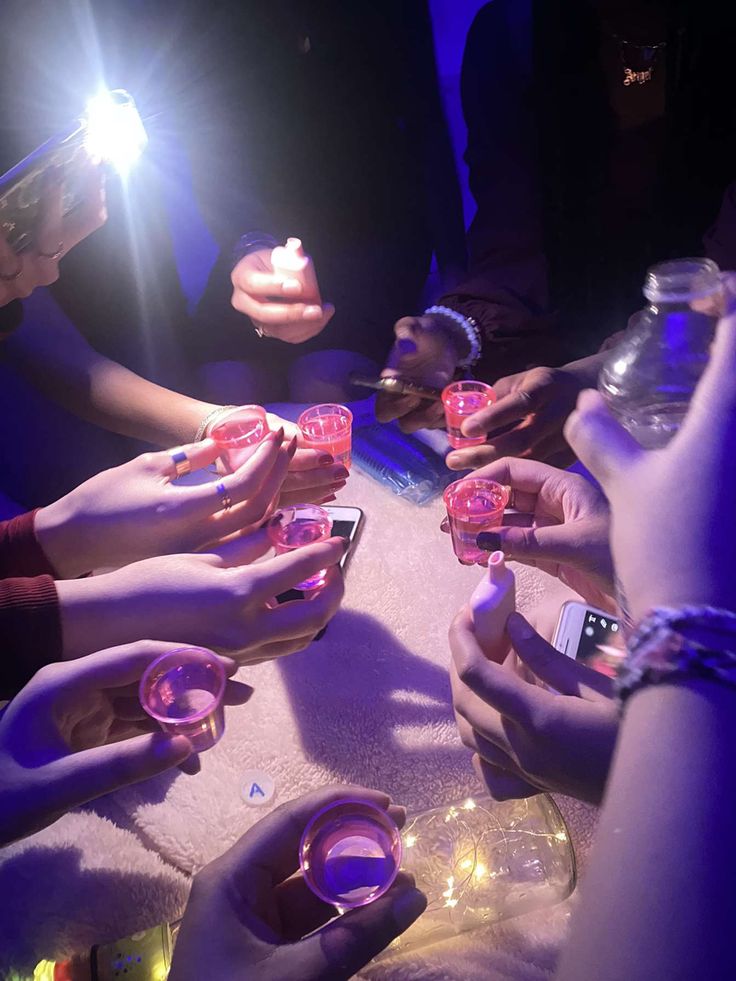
(260, 331)
(181, 463)
(53, 256)
(225, 499)
(11, 278)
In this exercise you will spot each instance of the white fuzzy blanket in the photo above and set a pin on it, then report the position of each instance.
(369, 703)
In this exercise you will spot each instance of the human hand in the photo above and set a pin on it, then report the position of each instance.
(527, 739)
(250, 913)
(673, 526)
(528, 416)
(134, 511)
(313, 477)
(216, 599)
(424, 352)
(55, 236)
(272, 300)
(77, 731)
(565, 530)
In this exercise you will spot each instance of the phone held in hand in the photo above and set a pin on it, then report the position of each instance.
(591, 636)
(346, 523)
(397, 386)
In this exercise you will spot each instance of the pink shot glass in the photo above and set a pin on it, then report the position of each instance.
(237, 433)
(462, 399)
(473, 505)
(294, 527)
(350, 853)
(328, 427)
(183, 691)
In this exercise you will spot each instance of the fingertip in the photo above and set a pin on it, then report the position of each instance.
(175, 748)
(407, 906)
(519, 627)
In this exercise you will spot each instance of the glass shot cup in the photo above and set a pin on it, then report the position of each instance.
(473, 505)
(328, 427)
(237, 433)
(462, 399)
(299, 525)
(183, 691)
(350, 853)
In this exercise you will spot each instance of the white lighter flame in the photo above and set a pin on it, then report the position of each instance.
(114, 129)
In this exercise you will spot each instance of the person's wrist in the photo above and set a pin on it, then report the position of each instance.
(55, 529)
(89, 616)
(209, 418)
(461, 330)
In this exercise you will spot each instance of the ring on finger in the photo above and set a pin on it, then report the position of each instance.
(225, 499)
(181, 463)
(53, 256)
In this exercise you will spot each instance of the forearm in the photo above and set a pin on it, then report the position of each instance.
(60, 363)
(657, 902)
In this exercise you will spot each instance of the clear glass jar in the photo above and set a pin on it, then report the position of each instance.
(649, 378)
(480, 861)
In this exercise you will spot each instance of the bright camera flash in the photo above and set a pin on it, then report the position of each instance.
(114, 129)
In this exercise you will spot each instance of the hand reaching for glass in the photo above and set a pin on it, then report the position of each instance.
(527, 739)
(136, 511)
(221, 599)
(251, 914)
(77, 731)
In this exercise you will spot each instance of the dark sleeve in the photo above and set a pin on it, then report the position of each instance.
(506, 290)
(30, 630)
(20, 551)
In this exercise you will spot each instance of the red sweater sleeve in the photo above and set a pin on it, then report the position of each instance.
(30, 630)
(20, 552)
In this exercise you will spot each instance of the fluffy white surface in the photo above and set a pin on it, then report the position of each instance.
(369, 703)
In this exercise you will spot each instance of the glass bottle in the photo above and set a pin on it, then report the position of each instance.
(649, 378)
(480, 861)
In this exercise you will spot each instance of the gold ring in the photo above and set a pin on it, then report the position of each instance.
(226, 500)
(12, 276)
(181, 463)
(52, 256)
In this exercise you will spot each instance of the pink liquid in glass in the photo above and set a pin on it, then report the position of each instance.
(329, 428)
(473, 505)
(462, 399)
(292, 528)
(238, 433)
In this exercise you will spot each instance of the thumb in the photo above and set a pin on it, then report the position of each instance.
(600, 442)
(552, 543)
(555, 669)
(504, 412)
(715, 396)
(83, 776)
(348, 943)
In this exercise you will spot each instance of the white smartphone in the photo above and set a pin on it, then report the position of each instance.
(590, 635)
(345, 523)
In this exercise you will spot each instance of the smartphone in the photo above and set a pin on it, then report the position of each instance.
(109, 131)
(346, 523)
(590, 635)
(397, 386)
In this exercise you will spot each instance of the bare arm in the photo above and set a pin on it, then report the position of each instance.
(55, 358)
(657, 902)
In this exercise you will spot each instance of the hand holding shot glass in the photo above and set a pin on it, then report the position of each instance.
(474, 505)
(328, 427)
(237, 434)
(297, 526)
(461, 400)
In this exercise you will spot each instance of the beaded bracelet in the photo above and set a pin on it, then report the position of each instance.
(661, 648)
(468, 326)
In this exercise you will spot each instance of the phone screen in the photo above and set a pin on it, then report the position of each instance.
(601, 645)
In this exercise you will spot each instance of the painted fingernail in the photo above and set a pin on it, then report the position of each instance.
(328, 500)
(312, 313)
(489, 541)
(342, 473)
(519, 627)
(326, 460)
(338, 486)
(406, 346)
(292, 448)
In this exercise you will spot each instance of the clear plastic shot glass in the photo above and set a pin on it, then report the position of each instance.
(183, 691)
(473, 505)
(328, 427)
(350, 853)
(294, 527)
(237, 433)
(462, 399)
